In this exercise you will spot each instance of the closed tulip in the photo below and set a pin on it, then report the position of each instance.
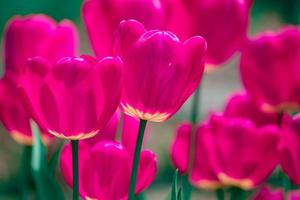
(160, 71)
(270, 64)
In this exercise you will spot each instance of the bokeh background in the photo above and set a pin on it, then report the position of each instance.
(215, 87)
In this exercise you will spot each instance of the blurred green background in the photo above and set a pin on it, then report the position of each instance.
(265, 14)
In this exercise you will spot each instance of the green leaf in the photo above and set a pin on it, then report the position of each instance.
(179, 195)
(55, 158)
(47, 186)
(141, 196)
(174, 192)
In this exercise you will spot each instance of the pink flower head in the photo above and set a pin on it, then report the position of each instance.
(37, 35)
(241, 154)
(241, 105)
(270, 65)
(104, 170)
(160, 72)
(289, 147)
(267, 193)
(223, 24)
(73, 98)
(13, 115)
(102, 18)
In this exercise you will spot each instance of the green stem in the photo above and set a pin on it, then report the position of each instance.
(136, 158)
(75, 169)
(25, 171)
(186, 187)
(195, 106)
(220, 194)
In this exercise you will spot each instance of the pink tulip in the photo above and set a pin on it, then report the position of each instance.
(267, 193)
(289, 147)
(13, 115)
(241, 105)
(104, 170)
(102, 18)
(223, 23)
(160, 72)
(73, 98)
(270, 65)
(108, 133)
(294, 195)
(37, 35)
(241, 154)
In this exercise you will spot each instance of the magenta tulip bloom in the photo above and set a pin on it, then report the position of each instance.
(241, 154)
(102, 18)
(73, 98)
(104, 170)
(223, 23)
(241, 105)
(13, 115)
(267, 193)
(160, 72)
(289, 147)
(270, 65)
(37, 35)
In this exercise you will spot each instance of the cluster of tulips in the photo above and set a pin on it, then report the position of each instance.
(150, 56)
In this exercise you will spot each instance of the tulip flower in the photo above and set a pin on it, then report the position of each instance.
(73, 98)
(37, 35)
(102, 18)
(223, 23)
(269, 67)
(267, 193)
(13, 115)
(227, 152)
(108, 165)
(289, 147)
(241, 105)
(160, 73)
(241, 153)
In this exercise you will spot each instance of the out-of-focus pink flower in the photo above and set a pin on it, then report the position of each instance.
(13, 115)
(241, 105)
(108, 133)
(104, 170)
(160, 72)
(223, 23)
(289, 147)
(270, 64)
(227, 152)
(73, 98)
(37, 35)
(267, 193)
(241, 154)
(102, 18)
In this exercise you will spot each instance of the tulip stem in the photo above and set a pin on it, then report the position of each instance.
(136, 158)
(25, 171)
(75, 169)
(220, 194)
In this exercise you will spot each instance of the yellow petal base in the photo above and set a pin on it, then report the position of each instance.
(155, 117)
(79, 136)
(245, 184)
(283, 107)
(26, 139)
(208, 184)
